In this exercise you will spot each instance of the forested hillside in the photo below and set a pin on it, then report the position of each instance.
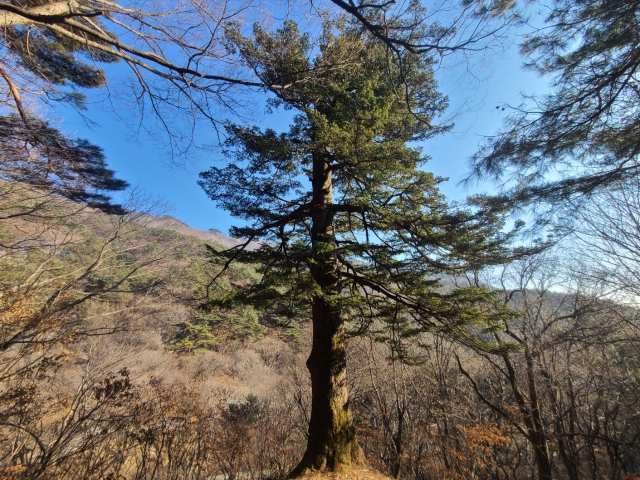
(111, 370)
(108, 367)
(357, 324)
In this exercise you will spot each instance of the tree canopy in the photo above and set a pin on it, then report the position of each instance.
(39, 155)
(584, 135)
(352, 227)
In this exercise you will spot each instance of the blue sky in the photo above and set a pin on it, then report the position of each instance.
(141, 162)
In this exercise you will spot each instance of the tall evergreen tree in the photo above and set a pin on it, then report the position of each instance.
(354, 230)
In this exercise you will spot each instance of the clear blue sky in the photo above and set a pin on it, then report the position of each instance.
(140, 161)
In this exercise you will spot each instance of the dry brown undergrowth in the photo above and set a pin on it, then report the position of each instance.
(344, 472)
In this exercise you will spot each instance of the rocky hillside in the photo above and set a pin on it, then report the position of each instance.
(212, 235)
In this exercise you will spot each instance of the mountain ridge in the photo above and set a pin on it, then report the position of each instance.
(213, 235)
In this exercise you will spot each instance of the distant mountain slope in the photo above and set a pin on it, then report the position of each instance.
(214, 236)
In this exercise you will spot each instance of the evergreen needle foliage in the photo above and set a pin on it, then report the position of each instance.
(353, 228)
(584, 136)
(36, 154)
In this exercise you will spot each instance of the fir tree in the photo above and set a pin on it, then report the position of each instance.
(353, 229)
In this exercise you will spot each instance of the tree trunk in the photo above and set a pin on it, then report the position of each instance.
(51, 12)
(531, 416)
(539, 436)
(543, 462)
(332, 437)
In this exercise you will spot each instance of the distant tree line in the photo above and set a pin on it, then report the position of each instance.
(479, 353)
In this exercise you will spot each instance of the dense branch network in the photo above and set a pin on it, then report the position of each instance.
(583, 138)
(395, 237)
(181, 57)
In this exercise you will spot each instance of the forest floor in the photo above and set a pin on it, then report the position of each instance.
(344, 472)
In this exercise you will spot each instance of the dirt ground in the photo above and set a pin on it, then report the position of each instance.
(344, 472)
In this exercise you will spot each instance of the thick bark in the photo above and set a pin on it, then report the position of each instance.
(332, 437)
